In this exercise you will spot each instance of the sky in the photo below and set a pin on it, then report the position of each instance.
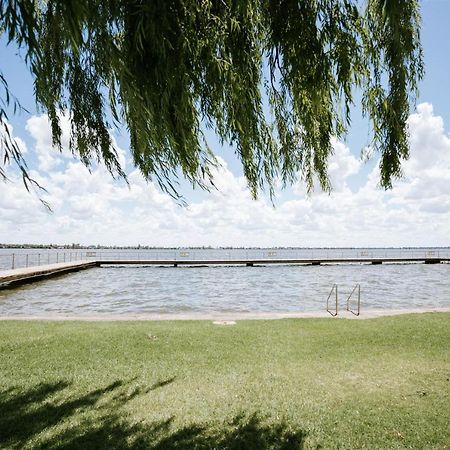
(92, 208)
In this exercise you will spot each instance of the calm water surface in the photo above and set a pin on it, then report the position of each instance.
(137, 289)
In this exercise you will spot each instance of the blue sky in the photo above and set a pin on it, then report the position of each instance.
(217, 219)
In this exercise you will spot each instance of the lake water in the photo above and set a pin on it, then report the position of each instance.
(224, 289)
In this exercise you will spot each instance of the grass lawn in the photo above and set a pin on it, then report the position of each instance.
(282, 384)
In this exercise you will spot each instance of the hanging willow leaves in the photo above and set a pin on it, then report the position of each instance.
(274, 78)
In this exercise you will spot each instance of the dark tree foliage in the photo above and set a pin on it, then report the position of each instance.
(275, 78)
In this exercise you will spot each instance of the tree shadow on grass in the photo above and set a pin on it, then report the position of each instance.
(24, 414)
(96, 421)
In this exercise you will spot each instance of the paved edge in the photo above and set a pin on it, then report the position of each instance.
(369, 314)
(26, 275)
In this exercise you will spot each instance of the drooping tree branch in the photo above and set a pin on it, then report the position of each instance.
(274, 78)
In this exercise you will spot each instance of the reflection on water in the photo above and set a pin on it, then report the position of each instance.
(131, 289)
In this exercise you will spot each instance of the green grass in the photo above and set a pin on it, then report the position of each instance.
(284, 384)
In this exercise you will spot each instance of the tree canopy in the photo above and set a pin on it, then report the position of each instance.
(274, 78)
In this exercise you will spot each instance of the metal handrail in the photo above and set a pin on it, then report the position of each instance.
(18, 258)
(359, 300)
(23, 260)
(334, 288)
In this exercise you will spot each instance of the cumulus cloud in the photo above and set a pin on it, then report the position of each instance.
(7, 132)
(48, 157)
(90, 207)
(341, 165)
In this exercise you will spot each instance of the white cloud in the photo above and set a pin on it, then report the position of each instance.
(6, 130)
(93, 208)
(341, 164)
(430, 147)
(49, 158)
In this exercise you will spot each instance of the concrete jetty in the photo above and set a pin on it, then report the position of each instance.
(265, 261)
(30, 274)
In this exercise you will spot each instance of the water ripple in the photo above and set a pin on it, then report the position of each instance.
(121, 290)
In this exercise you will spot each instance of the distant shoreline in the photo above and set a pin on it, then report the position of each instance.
(27, 246)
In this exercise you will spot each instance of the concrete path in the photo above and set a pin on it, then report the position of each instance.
(368, 314)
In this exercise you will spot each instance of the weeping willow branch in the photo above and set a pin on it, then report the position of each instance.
(273, 78)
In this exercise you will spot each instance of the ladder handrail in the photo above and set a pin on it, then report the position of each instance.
(334, 288)
(348, 308)
(359, 300)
